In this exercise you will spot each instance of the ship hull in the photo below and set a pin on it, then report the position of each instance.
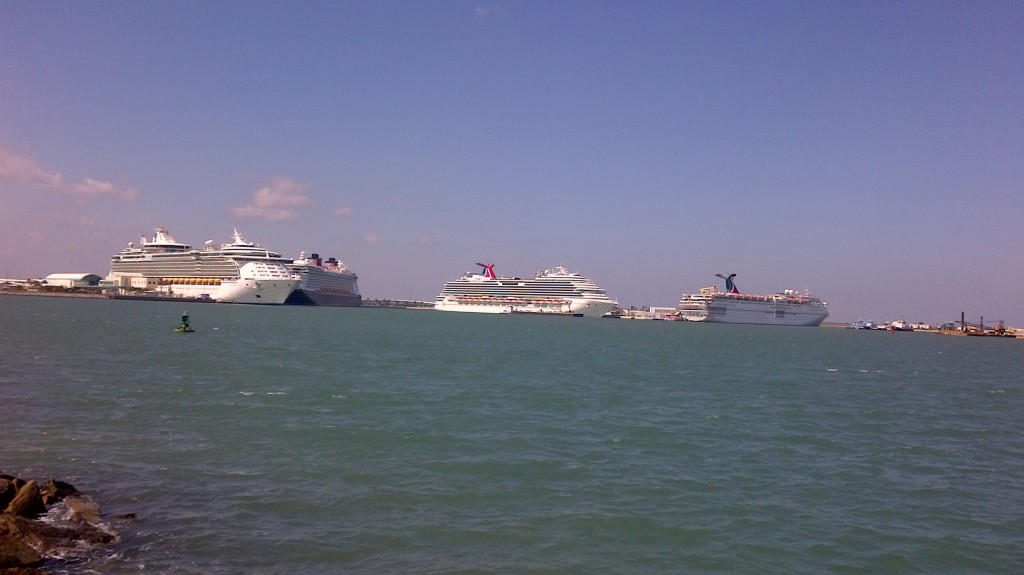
(312, 297)
(473, 308)
(260, 283)
(590, 308)
(251, 291)
(578, 307)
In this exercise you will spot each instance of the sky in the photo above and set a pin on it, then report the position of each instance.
(868, 151)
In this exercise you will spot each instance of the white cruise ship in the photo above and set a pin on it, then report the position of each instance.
(731, 306)
(328, 283)
(237, 272)
(556, 291)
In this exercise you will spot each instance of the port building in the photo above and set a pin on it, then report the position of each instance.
(75, 280)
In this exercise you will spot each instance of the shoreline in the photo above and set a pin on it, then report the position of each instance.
(31, 540)
(63, 294)
(1012, 332)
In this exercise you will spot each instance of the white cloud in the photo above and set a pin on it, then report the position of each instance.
(343, 212)
(371, 239)
(23, 169)
(426, 240)
(275, 201)
(482, 11)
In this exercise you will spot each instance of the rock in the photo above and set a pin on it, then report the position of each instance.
(9, 486)
(25, 541)
(49, 539)
(27, 502)
(7, 491)
(83, 509)
(54, 491)
(16, 553)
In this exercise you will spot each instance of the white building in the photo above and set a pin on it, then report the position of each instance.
(662, 312)
(73, 280)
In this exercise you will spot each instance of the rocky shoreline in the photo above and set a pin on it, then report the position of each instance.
(42, 522)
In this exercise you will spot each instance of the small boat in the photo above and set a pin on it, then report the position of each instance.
(861, 324)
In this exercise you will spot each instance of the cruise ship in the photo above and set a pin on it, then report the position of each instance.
(555, 291)
(236, 272)
(731, 306)
(327, 283)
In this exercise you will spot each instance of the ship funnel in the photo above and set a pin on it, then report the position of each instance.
(488, 271)
(730, 286)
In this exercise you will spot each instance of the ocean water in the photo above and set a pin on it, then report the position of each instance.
(328, 440)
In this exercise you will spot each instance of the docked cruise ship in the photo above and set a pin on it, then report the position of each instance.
(328, 283)
(236, 272)
(554, 291)
(731, 306)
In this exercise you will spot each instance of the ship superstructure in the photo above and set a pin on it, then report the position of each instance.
(785, 308)
(552, 291)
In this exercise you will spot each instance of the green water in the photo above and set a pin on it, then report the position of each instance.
(339, 440)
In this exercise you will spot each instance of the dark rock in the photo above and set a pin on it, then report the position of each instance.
(8, 525)
(14, 481)
(54, 491)
(50, 539)
(7, 491)
(27, 502)
(16, 553)
(26, 541)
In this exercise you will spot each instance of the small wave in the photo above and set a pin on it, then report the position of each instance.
(246, 392)
(86, 544)
(277, 393)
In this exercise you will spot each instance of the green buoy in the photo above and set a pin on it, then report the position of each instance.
(184, 327)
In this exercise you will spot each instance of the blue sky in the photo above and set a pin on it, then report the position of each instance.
(868, 151)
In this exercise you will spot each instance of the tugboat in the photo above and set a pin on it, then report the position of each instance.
(184, 327)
